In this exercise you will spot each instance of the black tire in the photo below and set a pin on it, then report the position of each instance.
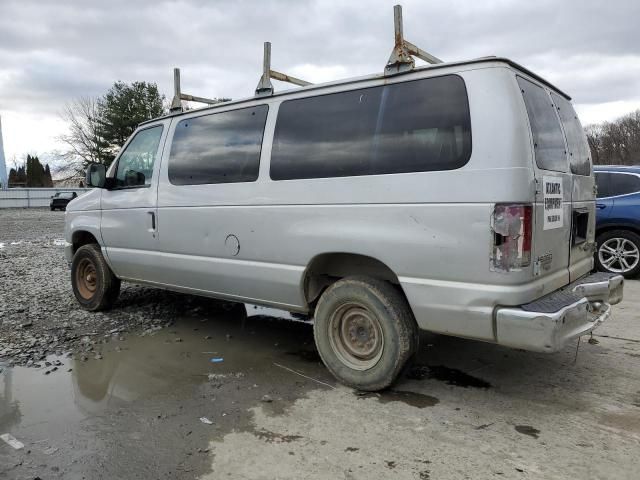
(355, 305)
(94, 284)
(52, 209)
(628, 241)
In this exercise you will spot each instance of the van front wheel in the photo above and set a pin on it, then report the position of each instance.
(365, 332)
(94, 284)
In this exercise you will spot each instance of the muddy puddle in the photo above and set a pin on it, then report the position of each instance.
(141, 398)
(412, 399)
(451, 376)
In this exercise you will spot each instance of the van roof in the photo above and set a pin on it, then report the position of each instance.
(436, 66)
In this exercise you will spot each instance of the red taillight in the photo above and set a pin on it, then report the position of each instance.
(512, 226)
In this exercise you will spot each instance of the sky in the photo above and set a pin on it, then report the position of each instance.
(54, 52)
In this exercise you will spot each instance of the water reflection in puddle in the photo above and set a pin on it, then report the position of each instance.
(166, 362)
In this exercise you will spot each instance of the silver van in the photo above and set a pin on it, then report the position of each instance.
(456, 198)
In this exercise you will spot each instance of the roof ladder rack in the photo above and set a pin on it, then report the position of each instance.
(178, 96)
(265, 87)
(401, 58)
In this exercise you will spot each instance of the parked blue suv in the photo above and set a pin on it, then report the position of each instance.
(618, 219)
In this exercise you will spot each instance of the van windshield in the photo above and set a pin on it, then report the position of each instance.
(579, 154)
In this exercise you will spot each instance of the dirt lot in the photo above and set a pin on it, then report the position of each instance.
(121, 394)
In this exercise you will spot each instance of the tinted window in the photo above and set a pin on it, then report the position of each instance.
(135, 165)
(623, 183)
(218, 148)
(579, 154)
(406, 127)
(548, 141)
(602, 182)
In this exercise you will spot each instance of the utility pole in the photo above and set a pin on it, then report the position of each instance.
(3, 165)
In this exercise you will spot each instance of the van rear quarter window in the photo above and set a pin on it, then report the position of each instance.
(579, 154)
(548, 141)
(218, 148)
(415, 126)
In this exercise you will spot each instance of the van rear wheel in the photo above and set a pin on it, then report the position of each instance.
(94, 284)
(365, 332)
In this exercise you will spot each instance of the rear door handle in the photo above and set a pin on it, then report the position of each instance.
(600, 206)
(153, 220)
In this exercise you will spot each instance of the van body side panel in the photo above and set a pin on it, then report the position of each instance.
(431, 228)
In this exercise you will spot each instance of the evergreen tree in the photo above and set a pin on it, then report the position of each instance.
(48, 181)
(124, 107)
(36, 175)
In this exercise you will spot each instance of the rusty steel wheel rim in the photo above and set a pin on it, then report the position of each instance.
(86, 278)
(355, 335)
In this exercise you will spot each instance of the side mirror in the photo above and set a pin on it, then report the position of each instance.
(96, 175)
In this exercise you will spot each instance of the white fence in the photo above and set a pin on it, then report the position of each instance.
(32, 197)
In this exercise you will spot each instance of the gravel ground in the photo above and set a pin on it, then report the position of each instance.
(39, 314)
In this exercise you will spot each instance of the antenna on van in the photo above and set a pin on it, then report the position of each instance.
(265, 87)
(401, 58)
(178, 96)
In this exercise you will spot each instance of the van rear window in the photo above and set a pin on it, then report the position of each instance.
(579, 153)
(548, 141)
(415, 126)
(218, 148)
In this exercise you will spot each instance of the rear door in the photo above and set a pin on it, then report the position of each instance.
(552, 208)
(583, 192)
(604, 202)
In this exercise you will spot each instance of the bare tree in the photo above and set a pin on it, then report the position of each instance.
(617, 142)
(84, 140)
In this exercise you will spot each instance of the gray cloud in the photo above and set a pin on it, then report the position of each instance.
(52, 52)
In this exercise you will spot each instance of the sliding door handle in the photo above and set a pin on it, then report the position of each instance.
(153, 220)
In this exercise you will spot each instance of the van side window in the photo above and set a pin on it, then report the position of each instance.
(548, 141)
(218, 148)
(623, 184)
(579, 153)
(135, 165)
(415, 126)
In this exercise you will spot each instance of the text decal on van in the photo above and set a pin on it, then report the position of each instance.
(552, 202)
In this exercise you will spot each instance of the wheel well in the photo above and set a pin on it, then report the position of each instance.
(608, 228)
(326, 268)
(81, 238)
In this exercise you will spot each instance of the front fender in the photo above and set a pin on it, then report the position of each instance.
(81, 222)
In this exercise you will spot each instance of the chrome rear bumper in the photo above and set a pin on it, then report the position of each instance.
(548, 323)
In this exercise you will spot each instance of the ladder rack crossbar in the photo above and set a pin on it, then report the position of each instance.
(265, 87)
(178, 96)
(400, 60)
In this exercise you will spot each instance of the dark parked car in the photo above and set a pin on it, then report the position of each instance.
(61, 199)
(618, 219)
